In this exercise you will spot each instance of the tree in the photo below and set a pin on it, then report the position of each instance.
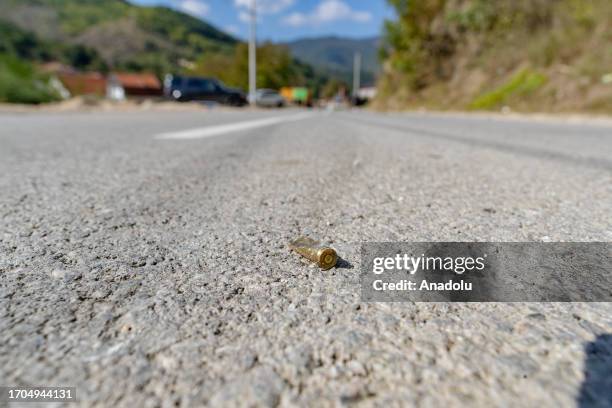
(332, 87)
(275, 67)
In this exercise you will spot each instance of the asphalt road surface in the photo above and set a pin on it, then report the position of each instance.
(144, 261)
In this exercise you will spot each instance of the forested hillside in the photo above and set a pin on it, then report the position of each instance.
(539, 55)
(335, 56)
(124, 35)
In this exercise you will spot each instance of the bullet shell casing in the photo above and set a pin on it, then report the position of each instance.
(323, 256)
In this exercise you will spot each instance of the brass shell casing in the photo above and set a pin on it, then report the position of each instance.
(323, 256)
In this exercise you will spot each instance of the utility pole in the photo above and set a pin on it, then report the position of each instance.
(253, 53)
(356, 73)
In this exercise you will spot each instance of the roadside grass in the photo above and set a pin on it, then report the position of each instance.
(522, 83)
(21, 83)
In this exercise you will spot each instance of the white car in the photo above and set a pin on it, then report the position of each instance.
(269, 98)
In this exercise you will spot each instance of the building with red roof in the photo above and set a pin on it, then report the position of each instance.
(121, 85)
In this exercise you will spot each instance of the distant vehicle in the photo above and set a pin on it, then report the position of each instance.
(269, 98)
(297, 95)
(363, 96)
(202, 89)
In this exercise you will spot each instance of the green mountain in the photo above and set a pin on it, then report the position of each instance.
(20, 81)
(26, 45)
(334, 56)
(123, 35)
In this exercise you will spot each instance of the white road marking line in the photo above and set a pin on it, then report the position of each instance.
(210, 131)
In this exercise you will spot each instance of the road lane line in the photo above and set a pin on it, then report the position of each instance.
(210, 131)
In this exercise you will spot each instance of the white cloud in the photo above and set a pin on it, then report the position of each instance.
(296, 19)
(196, 8)
(232, 29)
(243, 3)
(265, 6)
(244, 16)
(327, 11)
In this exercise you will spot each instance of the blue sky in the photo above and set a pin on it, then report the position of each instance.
(282, 20)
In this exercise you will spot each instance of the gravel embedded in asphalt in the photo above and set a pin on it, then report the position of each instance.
(152, 272)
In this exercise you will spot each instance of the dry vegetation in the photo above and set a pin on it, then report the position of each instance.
(527, 55)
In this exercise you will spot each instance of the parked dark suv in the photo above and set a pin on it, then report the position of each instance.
(202, 89)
